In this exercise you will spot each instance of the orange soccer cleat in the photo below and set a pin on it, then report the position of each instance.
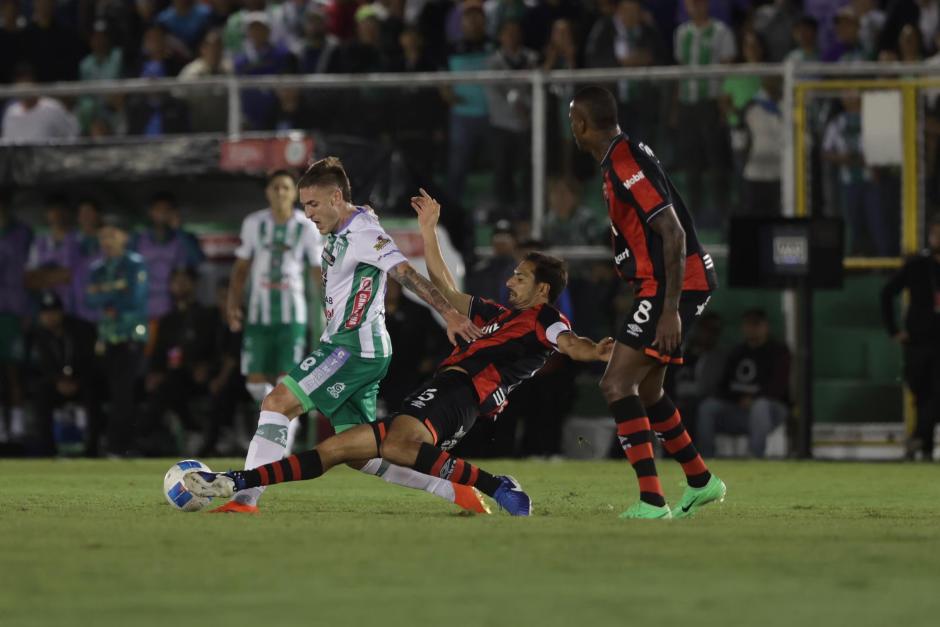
(470, 499)
(234, 507)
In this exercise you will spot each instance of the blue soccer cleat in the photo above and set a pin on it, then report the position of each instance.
(510, 497)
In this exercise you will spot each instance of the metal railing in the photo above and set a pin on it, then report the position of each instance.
(536, 79)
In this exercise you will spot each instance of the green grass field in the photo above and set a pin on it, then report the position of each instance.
(93, 543)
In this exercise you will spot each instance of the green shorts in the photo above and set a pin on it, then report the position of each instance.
(11, 339)
(339, 383)
(272, 349)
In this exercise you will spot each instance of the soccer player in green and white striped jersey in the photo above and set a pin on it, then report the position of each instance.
(278, 247)
(341, 377)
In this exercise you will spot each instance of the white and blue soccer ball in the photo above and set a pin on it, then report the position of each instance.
(175, 490)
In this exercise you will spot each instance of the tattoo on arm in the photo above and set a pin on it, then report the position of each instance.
(408, 277)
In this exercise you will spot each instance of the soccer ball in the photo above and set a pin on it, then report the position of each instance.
(175, 490)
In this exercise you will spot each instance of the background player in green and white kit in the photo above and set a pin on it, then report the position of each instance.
(341, 377)
(278, 246)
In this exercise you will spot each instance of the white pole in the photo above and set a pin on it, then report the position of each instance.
(234, 109)
(539, 116)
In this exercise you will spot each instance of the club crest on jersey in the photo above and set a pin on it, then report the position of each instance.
(381, 242)
(360, 300)
(633, 180)
(336, 389)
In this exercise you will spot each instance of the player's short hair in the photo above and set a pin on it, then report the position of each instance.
(328, 171)
(550, 270)
(599, 105)
(279, 173)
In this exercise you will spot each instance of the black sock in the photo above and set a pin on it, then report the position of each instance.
(437, 463)
(306, 465)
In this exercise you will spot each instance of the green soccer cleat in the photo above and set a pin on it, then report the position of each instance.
(641, 509)
(694, 498)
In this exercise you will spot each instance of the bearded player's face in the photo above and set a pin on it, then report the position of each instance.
(322, 205)
(522, 286)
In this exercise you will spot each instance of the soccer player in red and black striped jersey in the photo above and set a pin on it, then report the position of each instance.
(476, 379)
(657, 251)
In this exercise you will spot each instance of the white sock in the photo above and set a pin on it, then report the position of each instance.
(292, 429)
(409, 478)
(267, 446)
(259, 391)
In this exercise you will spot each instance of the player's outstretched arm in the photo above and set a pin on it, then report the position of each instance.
(429, 212)
(458, 325)
(669, 329)
(585, 349)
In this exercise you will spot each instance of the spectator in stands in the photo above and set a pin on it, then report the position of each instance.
(871, 20)
(703, 41)
(234, 37)
(469, 123)
(859, 193)
(117, 288)
(89, 250)
(180, 366)
(499, 11)
(509, 110)
(52, 48)
(488, 277)
(227, 385)
(105, 62)
(259, 59)
(569, 222)
(11, 39)
(36, 119)
(186, 20)
(417, 347)
(920, 336)
(15, 241)
(318, 47)
(628, 39)
(162, 249)
(922, 14)
(63, 353)
(754, 395)
(775, 22)
(728, 12)
(738, 91)
(561, 51)
(220, 11)
(54, 254)
(341, 16)
(159, 113)
(205, 105)
(538, 19)
(763, 125)
(910, 46)
(848, 45)
(194, 254)
(806, 36)
(362, 53)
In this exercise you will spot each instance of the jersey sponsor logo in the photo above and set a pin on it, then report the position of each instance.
(308, 363)
(328, 257)
(336, 389)
(360, 300)
(633, 180)
(381, 242)
(622, 256)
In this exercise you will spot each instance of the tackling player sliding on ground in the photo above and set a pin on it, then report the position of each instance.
(656, 249)
(474, 380)
(341, 377)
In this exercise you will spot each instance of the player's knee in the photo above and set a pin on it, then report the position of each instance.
(280, 400)
(613, 389)
(395, 450)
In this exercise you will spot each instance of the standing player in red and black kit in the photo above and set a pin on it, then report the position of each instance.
(475, 380)
(656, 250)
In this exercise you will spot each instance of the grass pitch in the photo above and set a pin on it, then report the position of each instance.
(93, 543)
